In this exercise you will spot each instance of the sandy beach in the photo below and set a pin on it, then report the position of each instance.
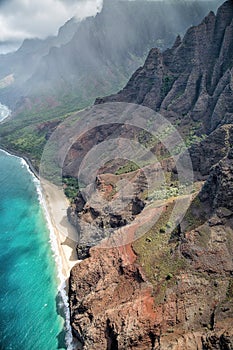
(57, 204)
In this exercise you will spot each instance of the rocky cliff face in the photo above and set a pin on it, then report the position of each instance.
(173, 290)
(112, 206)
(192, 81)
(115, 306)
(210, 151)
(46, 79)
(164, 291)
(95, 56)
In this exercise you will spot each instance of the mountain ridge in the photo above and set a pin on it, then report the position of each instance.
(59, 69)
(52, 82)
(170, 290)
(173, 81)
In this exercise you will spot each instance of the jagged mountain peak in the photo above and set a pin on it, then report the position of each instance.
(225, 11)
(100, 51)
(192, 79)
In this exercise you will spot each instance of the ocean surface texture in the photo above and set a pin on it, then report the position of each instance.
(30, 312)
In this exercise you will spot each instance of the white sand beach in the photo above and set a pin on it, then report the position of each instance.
(57, 204)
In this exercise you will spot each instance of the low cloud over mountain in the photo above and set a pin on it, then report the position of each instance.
(22, 19)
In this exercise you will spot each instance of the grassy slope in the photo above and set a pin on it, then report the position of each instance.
(22, 133)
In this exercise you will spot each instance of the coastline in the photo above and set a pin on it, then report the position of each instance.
(26, 159)
(3, 117)
(54, 203)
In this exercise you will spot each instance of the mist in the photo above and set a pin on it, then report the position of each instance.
(32, 19)
(38, 19)
(95, 56)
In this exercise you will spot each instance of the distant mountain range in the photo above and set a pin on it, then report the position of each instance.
(96, 56)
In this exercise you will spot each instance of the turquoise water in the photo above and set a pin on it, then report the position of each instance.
(30, 315)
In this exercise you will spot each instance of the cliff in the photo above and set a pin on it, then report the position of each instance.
(95, 56)
(171, 289)
(192, 81)
(46, 79)
(166, 291)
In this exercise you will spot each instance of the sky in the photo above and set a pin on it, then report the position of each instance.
(20, 19)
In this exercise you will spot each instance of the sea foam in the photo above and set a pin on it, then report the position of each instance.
(58, 260)
(54, 245)
(4, 112)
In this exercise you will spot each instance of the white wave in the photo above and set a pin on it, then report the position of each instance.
(57, 258)
(4, 112)
(62, 279)
(55, 250)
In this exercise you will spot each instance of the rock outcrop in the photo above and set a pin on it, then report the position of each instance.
(177, 295)
(211, 150)
(114, 306)
(115, 202)
(218, 189)
(111, 301)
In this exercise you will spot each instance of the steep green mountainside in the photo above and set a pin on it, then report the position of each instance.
(115, 40)
(86, 60)
(191, 83)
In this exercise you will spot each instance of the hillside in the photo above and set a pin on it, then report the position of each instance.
(167, 289)
(100, 50)
(46, 79)
(192, 81)
(22, 64)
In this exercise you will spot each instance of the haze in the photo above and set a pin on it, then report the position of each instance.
(21, 19)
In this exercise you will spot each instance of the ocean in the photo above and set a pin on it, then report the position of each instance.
(32, 296)
(4, 112)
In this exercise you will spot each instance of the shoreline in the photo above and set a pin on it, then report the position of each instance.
(54, 204)
(26, 159)
(7, 115)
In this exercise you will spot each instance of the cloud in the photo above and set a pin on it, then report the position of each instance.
(20, 19)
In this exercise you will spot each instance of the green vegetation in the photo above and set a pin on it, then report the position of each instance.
(27, 142)
(167, 83)
(71, 187)
(22, 135)
(25, 133)
(192, 138)
(127, 168)
(147, 139)
(195, 216)
(158, 255)
(167, 191)
(189, 140)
